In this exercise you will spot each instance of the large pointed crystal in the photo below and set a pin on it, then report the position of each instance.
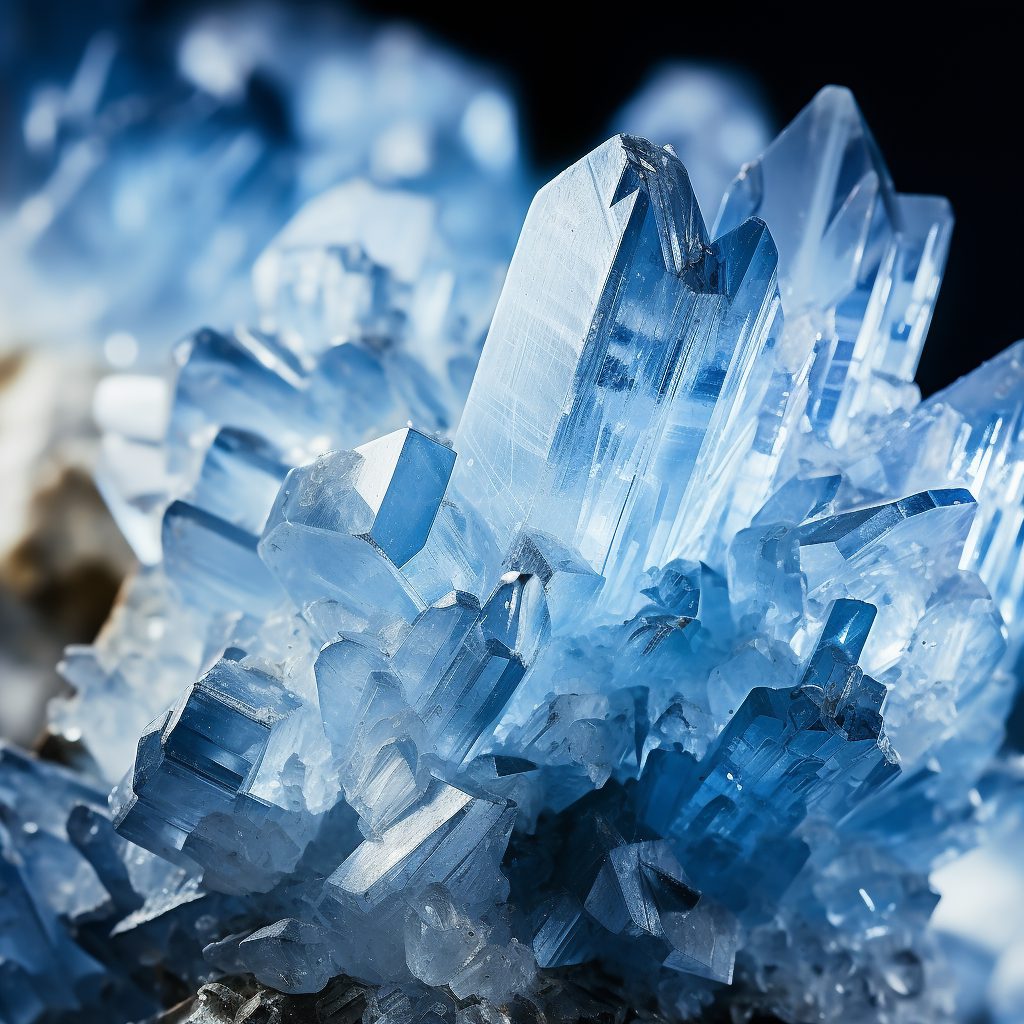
(859, 264)
(615, 403)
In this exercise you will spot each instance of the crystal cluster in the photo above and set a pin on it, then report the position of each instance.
(408, 156)
(662, 674)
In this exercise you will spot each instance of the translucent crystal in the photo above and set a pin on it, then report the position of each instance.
(437, 842)
(461, 663)
(389, 270)
(607, 396)
(71, 888)
(858, 263)
(200, 758)
(817, 747)
(826, 544)
(969, 434)
(357, 517)
(105, 248)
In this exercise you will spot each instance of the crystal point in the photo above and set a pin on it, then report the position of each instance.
(858, 263)
(596, 409)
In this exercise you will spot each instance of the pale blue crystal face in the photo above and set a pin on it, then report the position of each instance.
(676, 668)
(201, 758)
(971, 434)
(436, 843)
(342, 527)
(827, 546)
(858, 263)
(623, 340)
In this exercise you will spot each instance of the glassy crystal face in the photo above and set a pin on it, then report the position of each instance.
(673, 676)
(971, 434)
(859, 264)
(84, 913)
(597, 423)
(200, 758)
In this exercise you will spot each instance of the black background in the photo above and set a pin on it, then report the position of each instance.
(940, 86)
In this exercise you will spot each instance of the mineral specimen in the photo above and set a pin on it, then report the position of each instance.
(664, 684)
(110, 256)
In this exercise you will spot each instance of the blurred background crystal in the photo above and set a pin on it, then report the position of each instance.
(261, 109)
(142, 177)
(712, 116)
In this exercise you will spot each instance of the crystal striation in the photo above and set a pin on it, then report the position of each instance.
(598, 424)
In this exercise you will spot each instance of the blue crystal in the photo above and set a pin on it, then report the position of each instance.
(857, 262)
(357, 517)
(214, 563)
(200, 758)
(461, 663)
(817, 747)
(826, 544)
(436, 842)
(106, 248)
(69, 882)
(614, 879)
(595, 426)
(398, 468)
(673, 671)
(968, 434)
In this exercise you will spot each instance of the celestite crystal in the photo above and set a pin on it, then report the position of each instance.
(110, 256)
(661, 675)
(598, 425)
(859, 264)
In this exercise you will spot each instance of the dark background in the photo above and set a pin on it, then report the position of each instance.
(942, 92)
(940, 87)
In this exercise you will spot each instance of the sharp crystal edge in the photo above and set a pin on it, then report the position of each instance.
(712, 117)
(670, 683)
(859, 264)
(201, 757)
(970, 434)
(623, 351)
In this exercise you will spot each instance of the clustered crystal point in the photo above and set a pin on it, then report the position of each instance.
(665, 682)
